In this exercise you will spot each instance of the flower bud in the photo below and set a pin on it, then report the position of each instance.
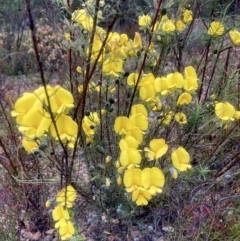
(108, 159)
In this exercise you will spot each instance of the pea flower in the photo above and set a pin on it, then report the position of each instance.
(156, 105)
(180, 159)
(144, 21)
(181, 118)
(60, 215)
(132, 79)
(60, 99)
(29, 145)
(180, 25)
(128, 142)
(158, 148)
(225, 111)
(112, 66)
(184, 99)
(139, 120)
(141, 196)
(134, 46)
(168, 26)
(66, 231)
(147, 90)
(24, 104)
(130, 157)
(122, 125)
(67, 196)
(89, 123)
(216, 29)
(152, 180)
(190, 83)
(166, 120)
(136, 133)
(67, 128)
(174, 81)
(132, 179)
(139, 109)
(235, 37)
(187, 16)
(35, 123)
(161, 85)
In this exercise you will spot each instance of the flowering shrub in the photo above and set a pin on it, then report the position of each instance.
(135, 121)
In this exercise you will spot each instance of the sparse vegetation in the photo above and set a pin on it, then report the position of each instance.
(120, 125)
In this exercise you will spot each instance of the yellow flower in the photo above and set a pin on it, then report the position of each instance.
(132, 79)
(180, 26)
(60, 99)
(181, 118)
(112, 66)
(122, 125)
(137, 41)
(235, 36)
(161, 85)
(139, 120)
(29, 145)
(190, 83)
(168, 26)
(174, 81)
(144, 21)
(67, 231)
(134, 46)
(67, 128)
(156, 105)
(158, 148)
(128, 142)
(67, 196)
(153, 180)
(60, 215)
(24, 104)
(216, 29)
(184, 99)
(139, 109)
(187, 16)
(147, 90)
(35, 123)
(136, 133)
(79, 69)
(225, 111)
(141, 196)
(130, 156)
(180, 159)
(166, 120)
(82, 18)
(67, 36)
(237, 115)
(132, 179)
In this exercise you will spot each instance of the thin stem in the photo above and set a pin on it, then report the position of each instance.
(145, 55)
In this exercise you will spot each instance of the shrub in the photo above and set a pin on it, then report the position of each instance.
(133, 115)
